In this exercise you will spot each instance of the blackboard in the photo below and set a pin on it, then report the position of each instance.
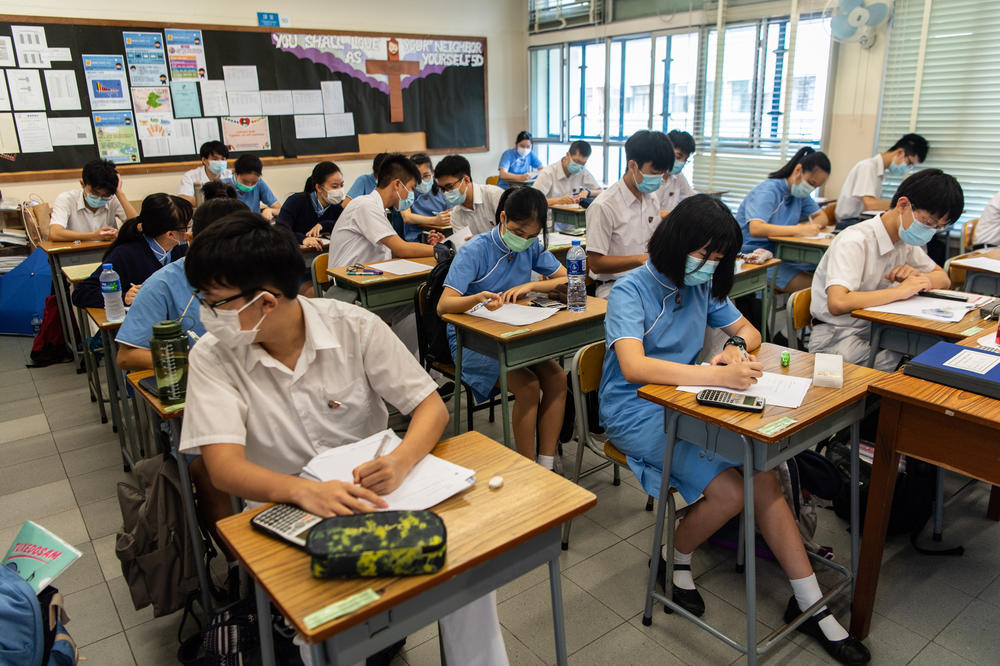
(446, 100)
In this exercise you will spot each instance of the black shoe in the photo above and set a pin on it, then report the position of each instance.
(847, 651)
(446, 390)
(689, 600)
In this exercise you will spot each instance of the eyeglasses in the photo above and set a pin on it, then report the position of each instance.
(243, 294)
(450, 187)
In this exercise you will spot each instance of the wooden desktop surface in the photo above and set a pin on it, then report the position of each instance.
(60, 247)
(799, 240)
(947, 330)
(101, 319)
(972, 340)
(747, 268)
(77, 274)
(570, 208)
(596, 309)
(358, 281)
(481, 524)
(989, 254)
(152, 399)
(819, 402)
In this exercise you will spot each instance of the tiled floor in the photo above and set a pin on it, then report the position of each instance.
(59, 466)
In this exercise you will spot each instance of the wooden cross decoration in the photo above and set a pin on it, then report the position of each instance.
(395, 69)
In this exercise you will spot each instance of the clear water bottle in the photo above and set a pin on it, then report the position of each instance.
(111, 288)
(576, 270)
(36, 323)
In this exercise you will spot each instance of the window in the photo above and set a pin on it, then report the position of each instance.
(675, 70)
(804, 91)
(556, 14)
(546, 92)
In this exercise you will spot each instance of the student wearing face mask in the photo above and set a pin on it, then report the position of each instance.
(775, 207)
(213, 167)
(474, 205)
(621, 220)
(518, 164)
(315, 209)
(568, 180)
(430, 210)
(675, 186)
(145, 244)
(880, 261)
(496, 268)
(862, 189)
(92, 212)
(251, 188)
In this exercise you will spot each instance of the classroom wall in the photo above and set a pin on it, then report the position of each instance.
(503, 23)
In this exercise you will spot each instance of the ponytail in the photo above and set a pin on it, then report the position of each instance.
(523, 204)
(809, 158)
(320, 173)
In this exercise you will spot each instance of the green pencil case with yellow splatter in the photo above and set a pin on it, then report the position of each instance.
(385, 543)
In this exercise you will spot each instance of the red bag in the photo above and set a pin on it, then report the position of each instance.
(50, 343)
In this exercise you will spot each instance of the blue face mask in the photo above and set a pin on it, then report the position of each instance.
(424, 186)
(698, 271)
(407, 202)
(678, 167)
(650, 183)
(455, 196)
(574, 167)
(802, 190)
(917, 233)
(898, 168)
(217, 166)
(95, 201)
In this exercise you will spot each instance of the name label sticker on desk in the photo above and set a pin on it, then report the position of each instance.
(972, 331)
(510, 334)
(340, 608)
(374, 279)
(776, 426)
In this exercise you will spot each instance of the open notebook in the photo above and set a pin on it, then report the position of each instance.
(430, 482)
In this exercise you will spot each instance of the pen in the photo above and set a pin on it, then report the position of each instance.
(944, 297)
(381, 446)
(743, 353)
(478, 306)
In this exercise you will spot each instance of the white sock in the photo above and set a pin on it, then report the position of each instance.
(682, 579)
(547, 461)
(807, 593)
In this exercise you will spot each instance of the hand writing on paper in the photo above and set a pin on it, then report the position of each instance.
(336, 498)
(382, 475)
(730, 355)
(914, 284)
(740, 375)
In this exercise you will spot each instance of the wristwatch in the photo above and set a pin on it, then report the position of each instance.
(737, 341)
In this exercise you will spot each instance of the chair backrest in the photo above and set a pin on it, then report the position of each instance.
(36, 221)
(432, 333)
(830, 211)
(493, 180)
(320, 278)
(956, 273)
(798, 316)
(968, 234)
(587, 366)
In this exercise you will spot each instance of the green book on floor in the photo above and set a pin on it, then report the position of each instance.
(38, 555)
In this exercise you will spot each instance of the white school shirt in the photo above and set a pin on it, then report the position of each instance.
(988, 229)
(355, 237)
(864, 180)
(553, 182)
(70, 212)
(619, 225)
(350, 362)
(196, 178)
(674, 190)
(859, 259)
(483, 216)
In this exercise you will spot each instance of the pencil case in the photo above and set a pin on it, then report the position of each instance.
(385, 543)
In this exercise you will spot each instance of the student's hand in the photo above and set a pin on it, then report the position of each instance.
(310, 243)
(808, 229)
(443, 218)
(268, 214)
(131, 294)
(516, 293)
(740, 375)
(336, 498)
(565, 200)
(314, 232)
(901, 272)
(434, 237)
(120, 188)
(104, 234)
(493, 301)
(382, 475)
(914, 284)
(730, 355)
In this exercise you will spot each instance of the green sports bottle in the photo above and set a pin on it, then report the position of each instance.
(170, 350)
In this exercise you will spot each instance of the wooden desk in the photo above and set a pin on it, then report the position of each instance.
(379, 292)
(559, 335)
(751, 278)
(912, 335)
(493, 537)
(800, 250)
(979, 280)
(940, 425)
(571, 215)
(736, 435)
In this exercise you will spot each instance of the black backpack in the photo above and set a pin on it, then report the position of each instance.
(432, 333)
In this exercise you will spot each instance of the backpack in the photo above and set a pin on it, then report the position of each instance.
(49, 345)
(22, 294)
(431, 330)
(154, 545)
(31, 627)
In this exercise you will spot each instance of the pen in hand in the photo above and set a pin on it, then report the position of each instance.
(381, 447)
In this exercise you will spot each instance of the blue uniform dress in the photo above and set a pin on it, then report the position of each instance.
(260, 193)
(485, 263)
(364, 184)
(772, 201)
(643, 305)
(429, 204)
(514, 163)
(166, 294)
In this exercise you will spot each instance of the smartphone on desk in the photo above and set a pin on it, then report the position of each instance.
(542, 302)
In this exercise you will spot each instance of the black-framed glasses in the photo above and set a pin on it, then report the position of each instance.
(451, 186)
(243, 294)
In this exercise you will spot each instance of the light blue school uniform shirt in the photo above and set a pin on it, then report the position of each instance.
(166, 294)
(424, 204)
(485, 263)
(772, 201)
(362, 185)
(643, 306)
(514, 163)
(260, 193)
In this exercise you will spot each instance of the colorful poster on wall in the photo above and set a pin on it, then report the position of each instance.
(106, 82)
(184, 96)
(116, 140)
(154, 116)
(185, 54)
(246, 133)
(147, 65)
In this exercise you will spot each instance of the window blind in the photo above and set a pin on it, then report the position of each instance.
(546, 15)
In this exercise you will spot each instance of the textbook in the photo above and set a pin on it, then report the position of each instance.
(965, 368)
(38, 555)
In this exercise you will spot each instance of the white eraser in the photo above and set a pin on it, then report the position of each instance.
(828, 370)
(496, 483)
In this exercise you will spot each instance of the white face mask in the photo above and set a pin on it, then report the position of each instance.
(225, 325)
(522, 151)
(334, 197)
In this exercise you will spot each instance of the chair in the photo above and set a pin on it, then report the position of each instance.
(797, 315)
(830, 213)
(968, 235)
(585, 375)
(493, 180)
(36, 221)
(321, 280)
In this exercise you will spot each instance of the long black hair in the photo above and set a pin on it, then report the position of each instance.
(697, 222)
(159, 214)
(809, 158)
(523, 135)
(320, 173)
(523, 204)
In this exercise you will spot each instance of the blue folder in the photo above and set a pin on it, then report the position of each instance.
(930, 365)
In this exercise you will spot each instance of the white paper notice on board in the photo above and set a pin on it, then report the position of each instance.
(30, 44)
(63, 92)
(71, 131)
(205, 129)
(276, 102)
(307, 101)
(242, 78)
(8, 135)
(59, 54)
(243, 103)
(333, 96)
(155, 147)
(309, 127)
(4, 97)
(339, 124)
(25, 87)
(213, 98)
(181, 142)
(7, 53)
(33, 132)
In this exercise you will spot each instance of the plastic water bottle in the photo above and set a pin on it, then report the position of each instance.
(111, 288)
(170, 351)
(576, 269)
(36, 323)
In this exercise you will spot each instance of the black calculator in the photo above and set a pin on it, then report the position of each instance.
(727, 400)
(286, 522)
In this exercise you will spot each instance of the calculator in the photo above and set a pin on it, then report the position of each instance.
(727, 400)
(286, 522)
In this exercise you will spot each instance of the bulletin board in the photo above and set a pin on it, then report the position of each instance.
(147, 95)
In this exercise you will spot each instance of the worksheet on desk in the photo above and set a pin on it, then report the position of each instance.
(982, 263)
(514, 314)
(935, 309)
(401, 267)
(777, 390)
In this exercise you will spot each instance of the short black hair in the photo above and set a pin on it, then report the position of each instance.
(523, 135)
(216, 147)
(682, 141)
(244, 251)
(218, 189)
(697, 222)
(453, 165)
(523, 204)
(377, 162)
(100, 175)
(581, 148)
(396, 165)
(645, 146)
(248, 164)
(912, 144)
(934, 191)
(213, 210)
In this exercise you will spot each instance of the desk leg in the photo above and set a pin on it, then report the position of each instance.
(456, 406)
(557, 611)
(749, 554)
(875, 343)
(883, 484)
(264, 627)
(661, 510)
(93, 376)
(766, 304)
(63, 305)
(993, 510)
(504, 403)
(855, 500)
(116, 417)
